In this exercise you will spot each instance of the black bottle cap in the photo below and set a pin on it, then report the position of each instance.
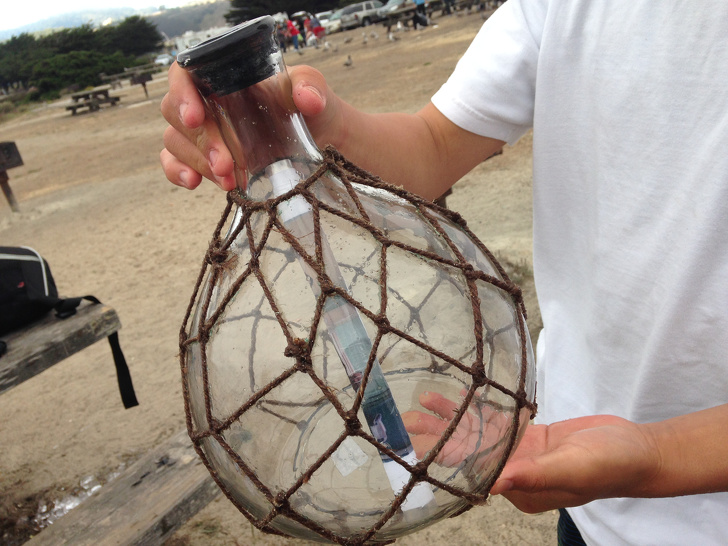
(235, 60)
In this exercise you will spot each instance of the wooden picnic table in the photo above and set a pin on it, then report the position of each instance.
(407, 11)
(92, 99)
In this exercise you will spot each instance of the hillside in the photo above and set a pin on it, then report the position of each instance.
(171, 22)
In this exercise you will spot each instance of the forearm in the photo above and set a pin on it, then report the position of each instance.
(693, 452)
(424, 152)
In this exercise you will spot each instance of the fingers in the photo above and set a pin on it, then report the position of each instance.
(417, 422)
(199, 150)
(177, 172)
(452, 454)
(574, 462)
(309, 90)
(322, 109)
(438, 404)
(423, 443)
(182, 105)
(193, 145)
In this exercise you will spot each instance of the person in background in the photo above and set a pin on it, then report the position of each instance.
(419, 17)
(282, 37)
(630, 244)
(316, 30)
(294, 33)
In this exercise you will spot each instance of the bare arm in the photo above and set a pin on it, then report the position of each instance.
(424, 152)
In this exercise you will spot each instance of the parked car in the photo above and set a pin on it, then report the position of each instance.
(165, 59)
(333, 23)
(361, 14)
(390, 6)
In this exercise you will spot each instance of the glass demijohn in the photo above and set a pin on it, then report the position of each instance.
(329, 311)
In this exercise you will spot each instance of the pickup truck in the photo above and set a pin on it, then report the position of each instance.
(361, 14)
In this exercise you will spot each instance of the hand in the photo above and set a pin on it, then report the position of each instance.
(194, 147)
(573, 462)
(564, 464)
(478, 432)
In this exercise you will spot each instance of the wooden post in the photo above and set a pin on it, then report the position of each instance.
(9, 158)
(142, 78)
(7, 190)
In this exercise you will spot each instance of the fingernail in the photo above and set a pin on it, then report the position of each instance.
(212, 158)
(501, 486)
(184, 178)
(182, 112)
(315, 91)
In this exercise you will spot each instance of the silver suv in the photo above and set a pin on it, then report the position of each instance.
(361, 14)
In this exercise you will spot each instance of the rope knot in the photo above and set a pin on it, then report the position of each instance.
(382, 323)
(280, 501)
(216, 256)
(479, 376)
(471, 273)
(327, 287)
(419, 471)
(382, 238)
(297, 349)
(352, 423)
(204, 335)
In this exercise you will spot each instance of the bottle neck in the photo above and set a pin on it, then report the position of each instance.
(261, 125)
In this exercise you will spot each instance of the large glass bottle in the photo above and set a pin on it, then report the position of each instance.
(328, 309)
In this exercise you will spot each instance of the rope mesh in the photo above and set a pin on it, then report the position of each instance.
(219, 430)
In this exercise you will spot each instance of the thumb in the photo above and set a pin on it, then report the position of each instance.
(322, 109)
(309, 90)
(527, 475)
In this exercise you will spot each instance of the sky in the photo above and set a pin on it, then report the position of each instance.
(16, 13)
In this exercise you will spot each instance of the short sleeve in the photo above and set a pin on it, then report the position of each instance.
(492, 90)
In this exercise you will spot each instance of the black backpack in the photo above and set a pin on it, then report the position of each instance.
(28, 293)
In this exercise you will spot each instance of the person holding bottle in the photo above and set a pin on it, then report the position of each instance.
(630, 200)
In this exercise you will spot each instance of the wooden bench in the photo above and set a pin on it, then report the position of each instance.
(150, 500)
(50, 340)
(144, 506)
(114, 80)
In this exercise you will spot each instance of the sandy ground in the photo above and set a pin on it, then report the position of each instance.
(96, 204)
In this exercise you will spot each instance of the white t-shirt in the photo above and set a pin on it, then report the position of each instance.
(628, 100)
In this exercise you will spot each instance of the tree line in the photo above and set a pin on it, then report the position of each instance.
(47, 65)
(43, 67)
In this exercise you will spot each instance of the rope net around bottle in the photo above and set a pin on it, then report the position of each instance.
(474, 366)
